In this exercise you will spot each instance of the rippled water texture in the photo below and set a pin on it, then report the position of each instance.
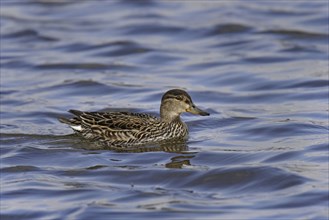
(259, 67)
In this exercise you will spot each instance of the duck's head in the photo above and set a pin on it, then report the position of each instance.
(176, 101)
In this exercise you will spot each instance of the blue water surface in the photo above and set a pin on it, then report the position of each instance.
(259, 67)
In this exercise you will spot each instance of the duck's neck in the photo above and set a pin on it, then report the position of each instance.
(169, 112)
(170, 117)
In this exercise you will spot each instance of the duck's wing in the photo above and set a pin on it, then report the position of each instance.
(114, 126)
(114, 120)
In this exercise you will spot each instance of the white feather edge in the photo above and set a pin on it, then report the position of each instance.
(76, 127)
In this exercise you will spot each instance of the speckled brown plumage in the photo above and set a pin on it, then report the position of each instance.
(124, 129)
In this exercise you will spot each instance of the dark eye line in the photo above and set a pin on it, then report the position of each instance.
(180, 98)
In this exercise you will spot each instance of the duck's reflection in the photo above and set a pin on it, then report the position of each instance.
(177, 161)
(180, 161)
(172, 147)
(180, 148)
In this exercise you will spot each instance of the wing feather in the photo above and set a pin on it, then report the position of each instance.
(116, 125)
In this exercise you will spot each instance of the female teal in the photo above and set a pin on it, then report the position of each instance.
(125, 129)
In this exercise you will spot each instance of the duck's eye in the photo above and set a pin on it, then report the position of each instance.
(180, 98)
(187, 101)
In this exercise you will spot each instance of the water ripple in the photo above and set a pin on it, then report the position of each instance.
(261, 70)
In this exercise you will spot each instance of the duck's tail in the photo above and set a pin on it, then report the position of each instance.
(74, 123)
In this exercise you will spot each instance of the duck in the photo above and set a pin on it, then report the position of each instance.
(127, 129)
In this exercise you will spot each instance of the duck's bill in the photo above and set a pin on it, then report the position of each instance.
(195, 110)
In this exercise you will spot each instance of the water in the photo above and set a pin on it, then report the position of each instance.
(259, 68)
